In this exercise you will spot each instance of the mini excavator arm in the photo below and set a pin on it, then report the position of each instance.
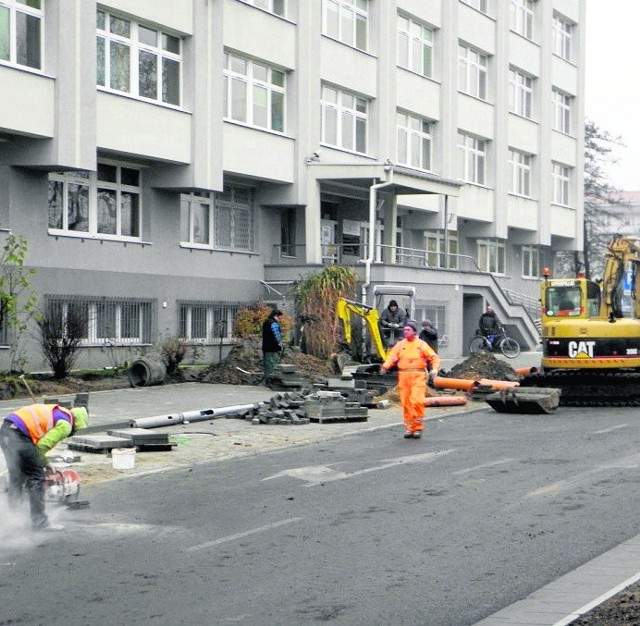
(345, 308)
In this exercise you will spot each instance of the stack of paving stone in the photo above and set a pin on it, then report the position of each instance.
(282, 408)
(329, 407)
(286, 377)
(345, 385)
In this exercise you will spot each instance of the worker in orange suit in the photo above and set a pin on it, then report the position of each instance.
(412, 355)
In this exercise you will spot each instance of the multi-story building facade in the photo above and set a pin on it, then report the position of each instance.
(171, 161)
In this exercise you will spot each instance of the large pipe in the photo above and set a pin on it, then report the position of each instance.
(156, 421)
(464, 384)
(201, 415)
(525, 371)
(498, 384)
(444, 400)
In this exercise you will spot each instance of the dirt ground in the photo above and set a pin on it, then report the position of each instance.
(621, 609)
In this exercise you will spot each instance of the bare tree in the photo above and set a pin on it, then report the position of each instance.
(60, 336)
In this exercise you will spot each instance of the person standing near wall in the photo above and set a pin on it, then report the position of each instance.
(412, 355)
(271, 342)
(430, 335)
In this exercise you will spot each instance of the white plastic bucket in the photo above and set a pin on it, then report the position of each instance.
(123, 458)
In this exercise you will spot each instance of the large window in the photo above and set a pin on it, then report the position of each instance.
(530, 262)
(196, 220)
(473, 153)
(434, 241)
(104, 204)
(347, 21)
(277, 7)
(562, 105)
(138, 59)
(414, 141)
(344, 119)
(233, 218)
(472, 72)
(561, 176)
(102, 320)
(255, 93)
(480, 5)
(521, 17)
(491, 256)
(520, 165)
(415, 46)
(562, 37)
(520, 93)
(21, 23)
(206, 322)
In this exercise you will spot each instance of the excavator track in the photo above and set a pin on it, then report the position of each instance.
(580, 388)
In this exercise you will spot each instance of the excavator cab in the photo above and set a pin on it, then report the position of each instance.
(573, 298)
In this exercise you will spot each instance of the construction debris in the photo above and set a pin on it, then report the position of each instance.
(482, 365)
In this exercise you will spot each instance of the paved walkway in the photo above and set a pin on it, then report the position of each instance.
(555, 604)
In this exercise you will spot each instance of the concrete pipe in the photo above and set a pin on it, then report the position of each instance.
(156, 421)
(146, 372)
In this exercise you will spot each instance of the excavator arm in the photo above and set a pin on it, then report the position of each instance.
(346, 308)
(622, 256)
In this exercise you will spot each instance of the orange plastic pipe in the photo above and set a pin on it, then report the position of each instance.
(498, 384)
(524, 371)
(465, 384)
(444, 400)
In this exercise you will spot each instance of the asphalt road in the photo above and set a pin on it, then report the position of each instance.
(367, 529)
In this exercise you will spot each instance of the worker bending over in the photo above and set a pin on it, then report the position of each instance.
(412, 355)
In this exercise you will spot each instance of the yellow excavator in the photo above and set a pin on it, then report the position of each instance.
(591, 332)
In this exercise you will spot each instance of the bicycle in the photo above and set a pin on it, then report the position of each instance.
(492, 343)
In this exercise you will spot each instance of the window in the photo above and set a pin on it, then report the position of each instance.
(344, 119)
(435, 313)
(434, 241)
(472, 72)
(288, 232)
(473, 153)
(491, 256)
(102, 320)
(277, 7)
(560, 175)
(562, 105)
(562, 37)
(415, 46)
(196, 220)
(414, 141)
(102, 204)
(21, 37)
(480, 5)
(255, 93)
(520, 167)
(520, 93)
(233, 218)
(206, 322)
(521, 17)
(530, 262)
(137, 59)
(347, 21)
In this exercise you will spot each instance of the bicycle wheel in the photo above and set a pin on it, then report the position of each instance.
(510, 347)
(478, 344)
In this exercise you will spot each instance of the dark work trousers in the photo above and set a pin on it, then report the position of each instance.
(26, 471)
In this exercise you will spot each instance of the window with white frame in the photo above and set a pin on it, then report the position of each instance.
(436, 314)
(561, 177)
(138, 59)
(562, 37)
(196, 220)
(520, 165)
(562, 106)
(347, 21)
(206, 322)
(344, 119)
(530, 262)
(102, 320)
(473, 153)
(104, 204)
(472, 72)
(435, 246)
(415, 46)
(521, 17)
(21, 37)
(491, 254)
(277, 7)
(233, 218)
(414, 140)
(254, 93)
(520, 93)
(480, 5)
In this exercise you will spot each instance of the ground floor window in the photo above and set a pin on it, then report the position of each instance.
(436, 313)
(206, 322)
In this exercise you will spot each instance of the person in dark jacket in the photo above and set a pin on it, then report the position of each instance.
(26, 435)
(489, 322)
(391, 323)
(271, 342)
(430, 335)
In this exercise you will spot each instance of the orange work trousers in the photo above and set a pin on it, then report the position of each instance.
(413, 389)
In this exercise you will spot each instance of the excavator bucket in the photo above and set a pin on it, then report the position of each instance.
(527, 400)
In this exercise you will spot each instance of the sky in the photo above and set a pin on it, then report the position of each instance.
(613, 82)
